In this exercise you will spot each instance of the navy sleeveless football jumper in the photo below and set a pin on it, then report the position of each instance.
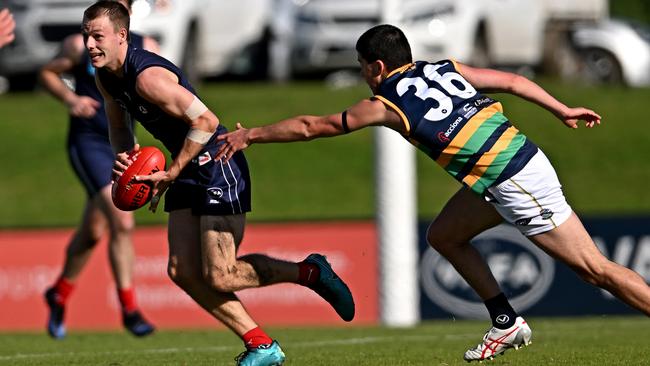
(206, 186)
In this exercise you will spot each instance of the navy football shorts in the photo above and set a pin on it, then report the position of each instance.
(212, 187)
(91, 157)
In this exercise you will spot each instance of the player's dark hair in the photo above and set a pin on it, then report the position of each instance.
(128, 2)
(387, 43)
(116, 12)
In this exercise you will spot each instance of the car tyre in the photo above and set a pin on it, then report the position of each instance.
(601, 66)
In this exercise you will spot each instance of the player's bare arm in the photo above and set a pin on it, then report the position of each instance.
(72, 51)
(160, 86)
(119, 131)
(368, 112)
(500, 81)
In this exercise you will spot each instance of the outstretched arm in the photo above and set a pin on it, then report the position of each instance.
(368, 112)
(500, 81)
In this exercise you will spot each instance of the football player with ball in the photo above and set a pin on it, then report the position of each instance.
(204, 228)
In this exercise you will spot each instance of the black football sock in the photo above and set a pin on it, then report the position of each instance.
(502, 314)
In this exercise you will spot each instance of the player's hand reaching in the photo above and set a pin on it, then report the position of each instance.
(160, 181)
(572, 116)
(232, 142)
(122, 161)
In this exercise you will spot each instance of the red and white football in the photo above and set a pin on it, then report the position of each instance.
(129, 194)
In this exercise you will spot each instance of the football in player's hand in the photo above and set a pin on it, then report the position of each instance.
(129, 194)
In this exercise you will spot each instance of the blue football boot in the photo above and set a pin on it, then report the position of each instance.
(331, 288)
(55, 326)
(264, 355)
(136, 324)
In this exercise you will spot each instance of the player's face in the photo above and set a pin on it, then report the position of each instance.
(370, 73)
(103, 42)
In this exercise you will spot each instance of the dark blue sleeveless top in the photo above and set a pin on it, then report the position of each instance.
(169, 130)
(84, 76)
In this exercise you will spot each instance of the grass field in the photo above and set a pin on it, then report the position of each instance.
(560, 341)
(604, 170)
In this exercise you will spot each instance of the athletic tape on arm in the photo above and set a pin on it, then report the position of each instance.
(199, 136)
(196, 109)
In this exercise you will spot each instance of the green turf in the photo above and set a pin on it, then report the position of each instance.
(604, 170)
(561, 341)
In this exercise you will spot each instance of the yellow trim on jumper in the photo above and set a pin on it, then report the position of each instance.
(405, 120)
(400, 69)
(457, 67)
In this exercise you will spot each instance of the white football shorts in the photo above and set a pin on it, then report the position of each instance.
(532, 199)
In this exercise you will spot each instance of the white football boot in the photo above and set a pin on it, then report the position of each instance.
(496, 341)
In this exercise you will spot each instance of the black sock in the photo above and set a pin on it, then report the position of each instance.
(502, 314)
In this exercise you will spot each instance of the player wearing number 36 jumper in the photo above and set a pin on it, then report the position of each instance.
(439, 108)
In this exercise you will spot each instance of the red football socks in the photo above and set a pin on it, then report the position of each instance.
(308, 273)
(127, 299)
(63, 288)
(255, 338)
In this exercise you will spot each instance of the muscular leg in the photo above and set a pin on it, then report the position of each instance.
(185, 269)
(92, 227)
(227, 273)
(571, 244)
(463, 217)
(120, 244)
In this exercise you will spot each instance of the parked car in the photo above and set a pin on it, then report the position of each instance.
(204, 37)
(321, 34)
(614, 51)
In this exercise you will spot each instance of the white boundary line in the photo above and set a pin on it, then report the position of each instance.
(337, 342)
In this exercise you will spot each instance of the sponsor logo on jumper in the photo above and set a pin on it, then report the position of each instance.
(483, 100)
(469, 110)
(204, 158)
(444, 136)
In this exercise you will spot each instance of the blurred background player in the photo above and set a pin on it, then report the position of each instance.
(7, 26)
(208, 201)
(439, 107)
(91, 156)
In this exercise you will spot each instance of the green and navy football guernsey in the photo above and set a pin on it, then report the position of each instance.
(464, 131)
